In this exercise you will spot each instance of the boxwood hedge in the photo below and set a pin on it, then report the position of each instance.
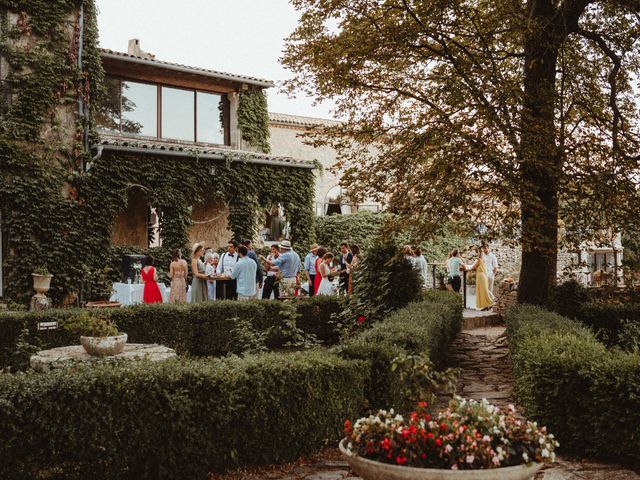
(613, 322)
(565, 378)
(205, 329)
(186, 417)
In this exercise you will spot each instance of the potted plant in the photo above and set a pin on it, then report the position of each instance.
(98, 334)
(468, 440)
(41, 280)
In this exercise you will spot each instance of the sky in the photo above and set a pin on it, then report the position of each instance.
(244, 37)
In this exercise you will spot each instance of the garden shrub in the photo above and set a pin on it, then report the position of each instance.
(568, 298)
(615, 324)
(360, 228)
(571, 383)
(204, 329)
(385, 281)
(174, 419)
(428, 326)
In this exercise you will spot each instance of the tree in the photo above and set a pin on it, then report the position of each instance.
(517, 116)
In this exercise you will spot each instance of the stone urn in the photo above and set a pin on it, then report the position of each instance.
(103, 346)
(41, 282)
(372, 470)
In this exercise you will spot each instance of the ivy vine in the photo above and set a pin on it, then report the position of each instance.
(58, 216)
(253, 119)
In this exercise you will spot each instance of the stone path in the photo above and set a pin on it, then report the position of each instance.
(482, 354)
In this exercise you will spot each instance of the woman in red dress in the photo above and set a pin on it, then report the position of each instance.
(321, 251)
(151, 293)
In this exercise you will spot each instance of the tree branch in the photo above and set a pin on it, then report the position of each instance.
(612, 78)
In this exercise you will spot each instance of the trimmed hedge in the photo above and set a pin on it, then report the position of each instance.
(184, 418)
(587, 395)
(174, 419)
(205, 329)
(426, 326)
(609, 320)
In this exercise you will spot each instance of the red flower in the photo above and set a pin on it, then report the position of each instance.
(423, 404)
(423, 456)
(438, 442)
(401, 460)
(347, 427)
(360, 319)
(443, 426)
(429, 435)
(386, 444)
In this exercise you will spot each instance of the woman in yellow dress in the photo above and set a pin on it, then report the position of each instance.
(484, 298)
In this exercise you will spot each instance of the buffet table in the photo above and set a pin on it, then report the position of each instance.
(131, 293)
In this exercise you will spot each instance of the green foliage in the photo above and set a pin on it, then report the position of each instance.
(89, 324)
(568, 298)
(615, 324)
(420, 379)
(360, 228)
(206, 329)
(184, 418)
(253, 119)
(174, 419)
(41, 154)
(426, 327)
(571, 383)
(385, 281)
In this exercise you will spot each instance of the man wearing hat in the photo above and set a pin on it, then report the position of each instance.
(288, 263)
(310, 266)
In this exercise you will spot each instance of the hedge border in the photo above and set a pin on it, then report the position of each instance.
(185, 417)
(205, 329)
(587, 395)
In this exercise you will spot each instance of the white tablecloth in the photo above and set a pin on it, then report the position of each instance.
(131, 293)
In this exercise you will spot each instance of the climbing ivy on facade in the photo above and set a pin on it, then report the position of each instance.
(57, 213)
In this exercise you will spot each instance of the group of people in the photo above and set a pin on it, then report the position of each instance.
(320, 269)
(241, 274)
(419, 262)
(485, 266)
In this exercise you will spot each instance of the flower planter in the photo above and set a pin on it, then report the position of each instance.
(372, 470)
(102, 346)
(41, 283)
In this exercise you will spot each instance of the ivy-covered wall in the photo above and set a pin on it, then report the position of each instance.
(57, 215)
(253, 119)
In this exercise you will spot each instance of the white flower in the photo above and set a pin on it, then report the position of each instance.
(545, 453)
(470, 458)
(525, 457)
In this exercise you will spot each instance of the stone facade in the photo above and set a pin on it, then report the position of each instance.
(287, 140)
(130, 226)
(210, 224)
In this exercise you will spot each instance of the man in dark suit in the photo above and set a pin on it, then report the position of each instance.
(346, 257)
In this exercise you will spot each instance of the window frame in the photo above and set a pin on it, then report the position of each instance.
(226, 110)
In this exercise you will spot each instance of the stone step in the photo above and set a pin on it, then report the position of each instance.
(473, 319)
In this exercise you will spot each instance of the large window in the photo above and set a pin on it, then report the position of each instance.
(132, 108)
(178, 114)
(210, 108)
(139, 108)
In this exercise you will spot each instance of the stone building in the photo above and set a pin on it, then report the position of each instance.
(287, 139)
(168, 109)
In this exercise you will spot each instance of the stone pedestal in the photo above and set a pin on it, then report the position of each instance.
(40, 302)
(63, 356)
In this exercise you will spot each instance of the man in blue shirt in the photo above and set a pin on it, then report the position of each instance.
(244, 274)
(253, 256)
(288, 263)
(310, 266)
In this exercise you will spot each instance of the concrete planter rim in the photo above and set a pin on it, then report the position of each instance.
(104, 346)
(364, 468)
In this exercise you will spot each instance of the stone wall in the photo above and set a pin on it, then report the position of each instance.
(211, 224)
(130, 226)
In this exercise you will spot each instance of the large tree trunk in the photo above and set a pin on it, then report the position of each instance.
(540, 165)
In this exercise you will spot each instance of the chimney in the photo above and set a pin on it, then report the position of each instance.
(135, 50)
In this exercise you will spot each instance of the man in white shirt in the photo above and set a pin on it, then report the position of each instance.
(226, 289)
(492, 265)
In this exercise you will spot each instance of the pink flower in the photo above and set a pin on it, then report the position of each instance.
(448, 448)
(470, 458)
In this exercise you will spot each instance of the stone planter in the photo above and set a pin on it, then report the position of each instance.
(41, 283)
(371, 470)
(102, 346)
